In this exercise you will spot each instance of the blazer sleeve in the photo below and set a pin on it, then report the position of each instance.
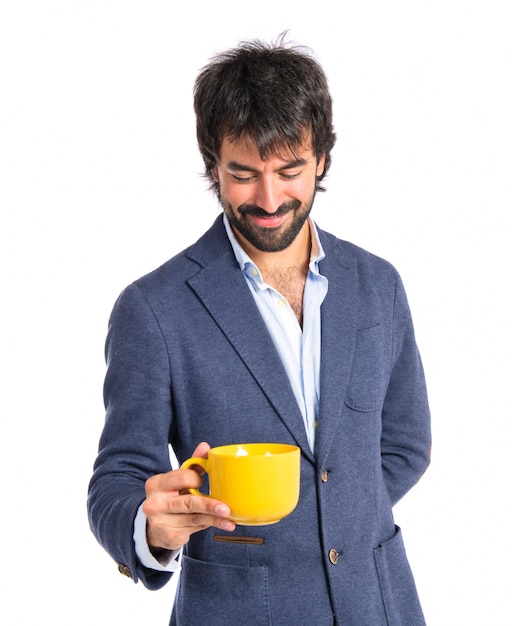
(406, 434)
(133, 445)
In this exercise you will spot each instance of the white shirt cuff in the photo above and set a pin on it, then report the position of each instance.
(143, 552)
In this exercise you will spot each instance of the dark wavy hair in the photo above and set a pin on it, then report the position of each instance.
(274, 94)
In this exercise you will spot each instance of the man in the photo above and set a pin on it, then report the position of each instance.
(267, 329)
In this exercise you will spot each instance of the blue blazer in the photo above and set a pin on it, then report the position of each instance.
(189, 359)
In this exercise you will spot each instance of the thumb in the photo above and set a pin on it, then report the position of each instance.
(202, 450)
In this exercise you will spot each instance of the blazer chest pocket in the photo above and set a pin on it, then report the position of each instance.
(369, 372)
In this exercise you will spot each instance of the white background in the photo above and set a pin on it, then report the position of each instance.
(99, 183)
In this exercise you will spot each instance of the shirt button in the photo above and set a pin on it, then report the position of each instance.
(254, 271)
(281, 302)
(333, 556)
(325, 476)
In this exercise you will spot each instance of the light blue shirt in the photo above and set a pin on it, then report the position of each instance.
(299, 348)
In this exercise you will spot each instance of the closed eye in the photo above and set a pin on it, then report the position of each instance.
(289, 176)
(250, 179)
(243, 179)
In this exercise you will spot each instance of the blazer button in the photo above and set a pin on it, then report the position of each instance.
(333, 556)
(325, 476)
(124, 570)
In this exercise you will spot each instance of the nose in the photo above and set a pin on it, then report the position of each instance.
(268, 195)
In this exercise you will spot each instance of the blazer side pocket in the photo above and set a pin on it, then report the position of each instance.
(369, 373)
(204, 585)
(397, 585)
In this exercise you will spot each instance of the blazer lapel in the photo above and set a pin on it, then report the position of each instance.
(223, 290)
(338, 341)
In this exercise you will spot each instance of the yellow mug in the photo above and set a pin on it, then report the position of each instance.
(260, 482)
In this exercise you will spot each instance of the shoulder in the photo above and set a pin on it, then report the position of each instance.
(168, 282)
(210, 247)
(341, 252)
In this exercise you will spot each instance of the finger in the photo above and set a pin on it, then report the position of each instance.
(190, 504)
(201, 511)
(193, 522)
(202, 450)
(179, 502)
(170, 525)
(173, 482)
(201, 505)
(171, 532)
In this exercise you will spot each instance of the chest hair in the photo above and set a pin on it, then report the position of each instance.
(290, 283)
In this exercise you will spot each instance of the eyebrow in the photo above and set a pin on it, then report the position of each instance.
(241, 167)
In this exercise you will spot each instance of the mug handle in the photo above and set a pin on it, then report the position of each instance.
(202, 463)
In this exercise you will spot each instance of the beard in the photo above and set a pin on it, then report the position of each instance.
(263, 238)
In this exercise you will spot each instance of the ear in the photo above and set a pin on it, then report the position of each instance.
(215, 174)
(320, 165)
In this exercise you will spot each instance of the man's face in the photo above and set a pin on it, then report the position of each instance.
(267, 202)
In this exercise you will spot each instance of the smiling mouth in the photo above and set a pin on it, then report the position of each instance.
(272, 221)
(259, 217)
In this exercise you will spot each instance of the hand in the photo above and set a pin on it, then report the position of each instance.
(173, 513)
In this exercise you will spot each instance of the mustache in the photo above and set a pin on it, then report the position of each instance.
(256, 211)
